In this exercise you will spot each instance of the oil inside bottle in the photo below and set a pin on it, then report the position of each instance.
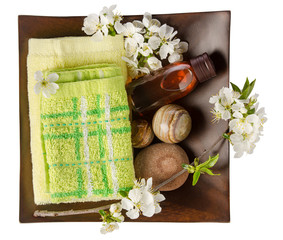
(164, 86)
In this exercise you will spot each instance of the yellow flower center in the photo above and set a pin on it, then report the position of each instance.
(44, 83)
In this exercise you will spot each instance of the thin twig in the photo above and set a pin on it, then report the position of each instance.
(45, 213)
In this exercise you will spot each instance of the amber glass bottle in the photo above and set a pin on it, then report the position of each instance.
(170, 83)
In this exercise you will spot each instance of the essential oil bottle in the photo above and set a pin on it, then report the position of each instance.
(169, 83)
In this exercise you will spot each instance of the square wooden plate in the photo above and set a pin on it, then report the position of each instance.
(208, 201)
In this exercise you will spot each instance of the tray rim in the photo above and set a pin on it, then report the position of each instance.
(21, 18)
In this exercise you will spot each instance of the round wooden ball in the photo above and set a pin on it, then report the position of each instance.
(142, 134)
(161, 161)
(172, 123)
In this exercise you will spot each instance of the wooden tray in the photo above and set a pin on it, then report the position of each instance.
(208, 201)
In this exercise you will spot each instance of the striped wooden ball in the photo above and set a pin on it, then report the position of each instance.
(172, 123)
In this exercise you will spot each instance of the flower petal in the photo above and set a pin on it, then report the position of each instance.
(104, 20)
(139, 38)
(119, 27)
(97, 37)
(159, 197)
(183, 47)
(149, 183)
(38, 76)
(163, 52)
(169, 32)
(146, 19)
(157, 209)
(148, 210)
(154, 42)
(162, 30)
(37, 87)
(127, 204)
(135, 195)
(133, 213)
(52, 87)
(46, 92)
(104, 29)
(53, 77)
(147, 198)
(89, 30)
(138, 25)
(174, 57)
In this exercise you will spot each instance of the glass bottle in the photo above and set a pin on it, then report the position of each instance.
(169, 83)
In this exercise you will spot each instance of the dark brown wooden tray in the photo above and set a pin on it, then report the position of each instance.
(208, 201)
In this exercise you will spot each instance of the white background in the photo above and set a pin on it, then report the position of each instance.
(256, 180)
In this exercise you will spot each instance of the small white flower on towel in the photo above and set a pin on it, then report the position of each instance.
(48, 85)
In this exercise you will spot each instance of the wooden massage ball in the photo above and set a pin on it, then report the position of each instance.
(161, 161)
(171, 123)
(142, 134)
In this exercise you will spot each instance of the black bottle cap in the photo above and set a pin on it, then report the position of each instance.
(203, 67)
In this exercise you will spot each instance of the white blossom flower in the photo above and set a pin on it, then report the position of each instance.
(179, 49)
(131, 47)
(246, 121)
(243, 143)
(145, 49)
(48, 85)
(166, 35)
(152, 25)
(133, 68)
(109, 227)
(154, 63)
(96, 26)
(108, 14)
(223, 103)
(142, 200)
(261, 115)
(115, 211)
(240, 126)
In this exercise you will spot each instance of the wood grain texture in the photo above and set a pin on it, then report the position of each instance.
(208, 201)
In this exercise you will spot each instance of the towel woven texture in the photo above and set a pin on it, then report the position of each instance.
(80, 136)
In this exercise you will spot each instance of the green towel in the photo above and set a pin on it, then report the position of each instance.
(86, 135)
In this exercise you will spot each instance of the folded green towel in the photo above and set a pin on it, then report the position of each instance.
(86, 135)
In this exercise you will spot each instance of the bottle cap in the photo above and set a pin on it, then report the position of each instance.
(203, 67)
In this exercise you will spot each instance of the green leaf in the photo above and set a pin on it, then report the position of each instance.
(247, 84)
(251, 111)
(102, 213)
(196, 162)
(196, 177)
(208, 171)
(123, 193)
(209, 163)
(247, 89)
(252, 84)
(212, 161)
(235, 88)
